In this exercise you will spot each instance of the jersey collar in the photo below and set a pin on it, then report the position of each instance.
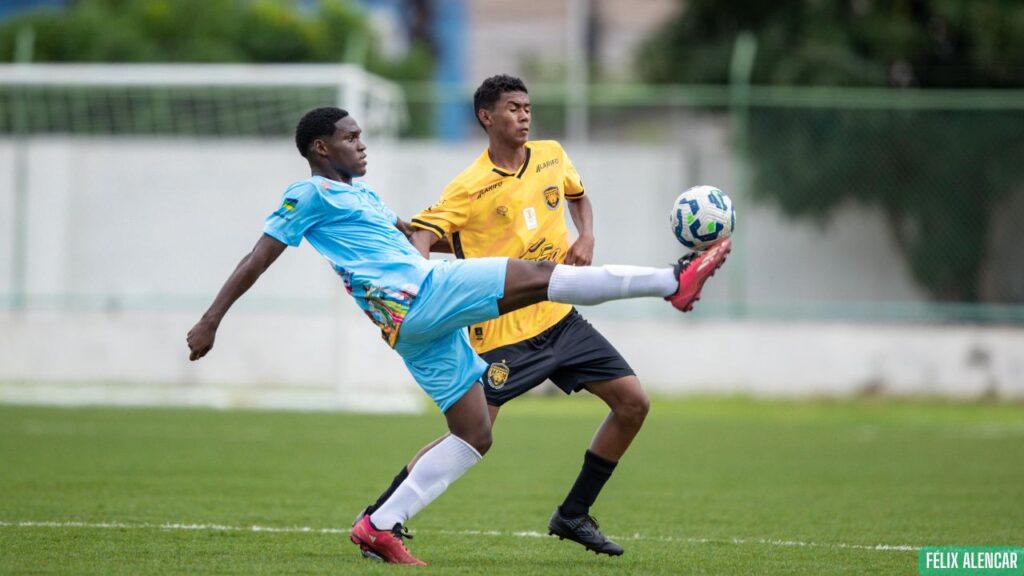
(337, 184)
(500, 172)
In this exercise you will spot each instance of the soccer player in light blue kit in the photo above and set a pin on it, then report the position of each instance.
(423, 306)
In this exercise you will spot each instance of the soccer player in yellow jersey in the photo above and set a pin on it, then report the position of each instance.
(511, 201)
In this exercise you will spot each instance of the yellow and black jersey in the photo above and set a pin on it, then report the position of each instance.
(486, 211)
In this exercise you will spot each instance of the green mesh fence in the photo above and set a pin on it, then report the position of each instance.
(184, 111)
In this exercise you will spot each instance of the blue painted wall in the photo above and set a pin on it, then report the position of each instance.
(450, 23)
(448, 29)
(8, 7)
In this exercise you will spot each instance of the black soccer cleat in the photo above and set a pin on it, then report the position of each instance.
(582, 530)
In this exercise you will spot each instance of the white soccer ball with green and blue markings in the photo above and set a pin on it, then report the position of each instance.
(701, 216)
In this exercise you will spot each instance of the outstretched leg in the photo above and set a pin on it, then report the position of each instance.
(528, 282)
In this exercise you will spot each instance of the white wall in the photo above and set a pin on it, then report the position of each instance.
(300, 361)
(131, 238)
(133, 218)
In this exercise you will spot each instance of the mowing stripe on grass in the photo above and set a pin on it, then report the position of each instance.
(526, 534)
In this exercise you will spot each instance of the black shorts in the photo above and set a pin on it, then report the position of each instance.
(572, 353)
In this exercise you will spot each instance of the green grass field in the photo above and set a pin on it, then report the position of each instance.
(710, 487)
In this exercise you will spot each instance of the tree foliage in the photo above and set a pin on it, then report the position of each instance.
(927, 43)
(938, 175)
(245, 31)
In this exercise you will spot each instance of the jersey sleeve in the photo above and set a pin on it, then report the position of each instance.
(299, 211)
(448, 215)
(573, 185)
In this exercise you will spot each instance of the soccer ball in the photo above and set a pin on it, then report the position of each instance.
(702, 215)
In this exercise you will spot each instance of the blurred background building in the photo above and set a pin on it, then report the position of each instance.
(873, 151)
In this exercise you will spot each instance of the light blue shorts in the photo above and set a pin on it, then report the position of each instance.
(433, 339)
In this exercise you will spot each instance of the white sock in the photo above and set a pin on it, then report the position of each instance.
(586, 285)
(429, 478)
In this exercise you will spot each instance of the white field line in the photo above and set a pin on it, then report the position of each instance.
(527, 534)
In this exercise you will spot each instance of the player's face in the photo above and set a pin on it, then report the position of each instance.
(510, 119)
(345, 149)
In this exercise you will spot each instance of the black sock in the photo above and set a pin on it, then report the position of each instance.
(402, 475)
(596, 471)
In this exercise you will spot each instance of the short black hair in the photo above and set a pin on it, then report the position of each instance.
(316, 123)
(490, 91)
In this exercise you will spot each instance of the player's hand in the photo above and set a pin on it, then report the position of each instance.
(200, 339)
(581, 253)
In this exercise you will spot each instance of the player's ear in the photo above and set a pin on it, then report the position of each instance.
(484, 115)
(318, 147)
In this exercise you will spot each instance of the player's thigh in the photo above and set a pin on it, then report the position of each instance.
(445, 367)
(455, 295)
(469, 419)
(586, 357)
(526, 283)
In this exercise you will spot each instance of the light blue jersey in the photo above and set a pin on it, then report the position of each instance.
(355, 231)
(351, 227)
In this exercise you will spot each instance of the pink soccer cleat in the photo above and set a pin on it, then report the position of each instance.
(386, 544)
(694, 269)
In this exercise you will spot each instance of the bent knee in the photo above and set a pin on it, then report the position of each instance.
(480, 440)
(633, 410)
(483, 443)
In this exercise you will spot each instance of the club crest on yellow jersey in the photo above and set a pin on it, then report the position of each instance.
(551, 197)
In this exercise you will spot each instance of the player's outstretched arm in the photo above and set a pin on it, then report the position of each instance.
(423, 240)
(581, 253)
(200, 337)
(405, 228)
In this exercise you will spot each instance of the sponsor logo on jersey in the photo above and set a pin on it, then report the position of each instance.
(478, 332)
(502, 211)
(547, 164)
(497, 375)
(542, 251)
(551, 197)
(480, 193)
